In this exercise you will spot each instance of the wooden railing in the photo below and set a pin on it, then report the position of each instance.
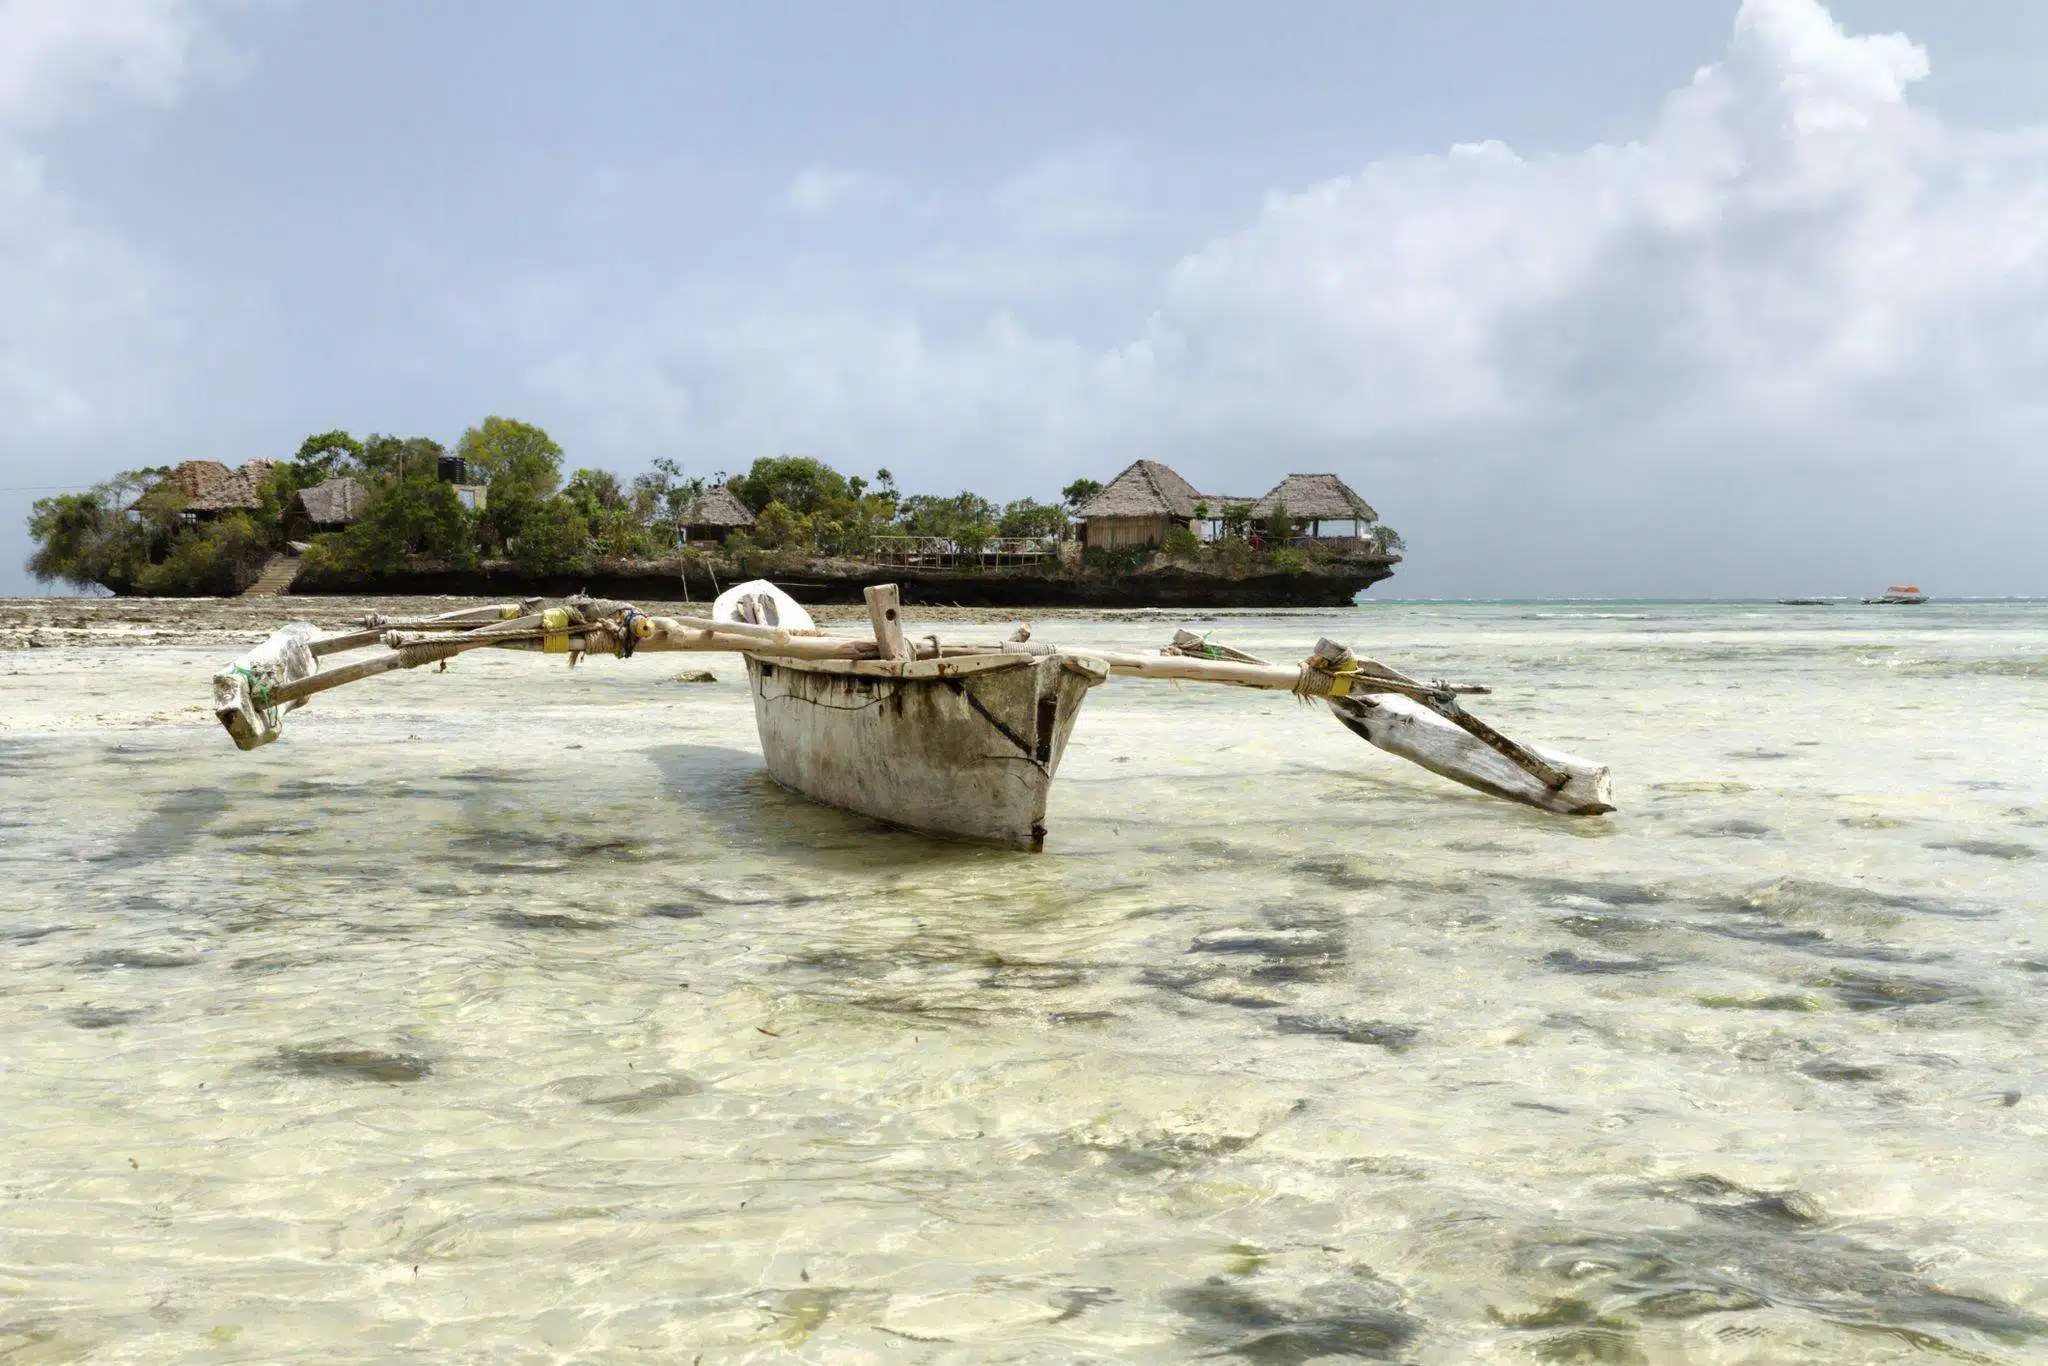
(938, 551)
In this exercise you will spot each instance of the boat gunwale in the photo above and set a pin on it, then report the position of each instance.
(906, 670)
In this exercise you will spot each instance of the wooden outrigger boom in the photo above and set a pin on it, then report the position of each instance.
(959, 739)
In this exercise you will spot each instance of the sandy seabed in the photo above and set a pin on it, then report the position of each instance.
(511, 1014)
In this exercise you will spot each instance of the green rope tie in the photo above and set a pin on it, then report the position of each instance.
(259, 693)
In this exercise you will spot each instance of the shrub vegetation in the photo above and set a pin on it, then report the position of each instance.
(134, 533)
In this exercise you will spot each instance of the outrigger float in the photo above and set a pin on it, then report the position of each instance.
(953, 738)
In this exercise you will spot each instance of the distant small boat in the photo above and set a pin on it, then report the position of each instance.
(1899, 595)
(1806, 602)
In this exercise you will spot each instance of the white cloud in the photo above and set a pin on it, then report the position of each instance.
(57, 56)
(1794, 276)
(88, 321)
(818, 190)
(1791, 244)
(94, 342)
(1087, 193)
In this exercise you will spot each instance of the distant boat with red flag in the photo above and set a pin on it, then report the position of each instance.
(1900, 595)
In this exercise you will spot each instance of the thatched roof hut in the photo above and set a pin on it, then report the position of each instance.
(1146, 488)
(332, 503)
(1137, 507)
(1315, 498)
(715, 515)
(211, 488)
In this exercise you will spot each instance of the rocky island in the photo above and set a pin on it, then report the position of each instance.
(386, 515)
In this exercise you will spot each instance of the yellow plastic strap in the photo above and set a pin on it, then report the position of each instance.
(555, 622)
(507, 611)
(1340, 679)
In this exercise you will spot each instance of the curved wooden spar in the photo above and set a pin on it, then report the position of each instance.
(951, 708)
(1424, 724)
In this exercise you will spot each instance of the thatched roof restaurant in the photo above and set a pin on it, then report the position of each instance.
(1137, 507)
(211, 488)
(715, 515)
(329, 505)
(1142, 503)
(1315, 499)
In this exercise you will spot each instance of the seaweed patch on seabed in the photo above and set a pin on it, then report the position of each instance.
(546, 920)
(1245, 961)
(1732, 829)
(1745, 1250)
(1358, 1317)
(1806, 897)
(1565, 960)
(1872, 991)
(102, 1017)
(642, 1095)
(168, 830)
(1609, 929)
(29, 934)
(1998, 849)
(145, 959)
(1395, 1038)
(348, 1062)
(1342, 874)
(17, 758)
(490, 849)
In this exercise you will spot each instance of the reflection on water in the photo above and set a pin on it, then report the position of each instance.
(512, 1012)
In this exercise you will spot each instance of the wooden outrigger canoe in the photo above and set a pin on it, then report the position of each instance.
(953, 739)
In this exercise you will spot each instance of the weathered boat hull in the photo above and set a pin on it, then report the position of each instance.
(969, 752)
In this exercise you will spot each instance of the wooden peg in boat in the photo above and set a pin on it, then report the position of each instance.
(885, 610)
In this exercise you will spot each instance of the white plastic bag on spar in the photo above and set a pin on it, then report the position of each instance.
(758, 602)
(241, 692)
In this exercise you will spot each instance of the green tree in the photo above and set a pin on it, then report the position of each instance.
(659, 497)
(414, 517)
(275, 494)
(401, 457)
(798, 482)
(594, 492)
(110, 534)
(1237, 521)
(218, 558)
(508, 505)
(926, 514)
(1029, 517)
(1074, 495)
(71, 535)
(324, 454)
(555, 540)
(506, 448)
(972, 536)
(1181, 542)
(781, 527)
(1279, 526)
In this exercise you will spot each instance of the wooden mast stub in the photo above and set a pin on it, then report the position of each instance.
(885, 611)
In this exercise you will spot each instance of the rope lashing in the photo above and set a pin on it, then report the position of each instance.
(1318, 681)
(259, 693)
(628, 631)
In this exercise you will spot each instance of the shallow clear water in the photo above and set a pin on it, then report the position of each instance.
(512, 1014)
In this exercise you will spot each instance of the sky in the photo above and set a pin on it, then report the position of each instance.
(1699, 298)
